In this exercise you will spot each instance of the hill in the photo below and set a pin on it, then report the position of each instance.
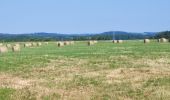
(165, 34)
(42, 36)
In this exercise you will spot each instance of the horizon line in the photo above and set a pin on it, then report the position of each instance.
(80, 33)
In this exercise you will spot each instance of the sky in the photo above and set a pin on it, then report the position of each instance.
(84, 16)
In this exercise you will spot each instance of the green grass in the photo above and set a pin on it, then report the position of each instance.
(5, 93)
(104, 71)
(103, 50)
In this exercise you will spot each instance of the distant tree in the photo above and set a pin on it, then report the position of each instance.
(165, 34)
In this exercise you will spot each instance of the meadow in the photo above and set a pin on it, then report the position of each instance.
(105, 71)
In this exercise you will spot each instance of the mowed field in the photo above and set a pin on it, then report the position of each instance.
(105, 71)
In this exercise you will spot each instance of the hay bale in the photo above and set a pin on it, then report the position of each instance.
(90, 43)
(119, 41)
(66, 43)
(159, 40)
(163, 40)
(8, 45)
(114, 41)
(46, 43)
(16, 48)
(60, 44)
(146, 41)
(18, 45)
(34, 44)
(71, 42)
(95, 41)
(3, 49)
(27, 45)
(39, 44)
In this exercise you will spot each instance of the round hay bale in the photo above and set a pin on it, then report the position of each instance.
(18, 45)
(119, 41)
(16, 48)
(163, 40)
(3, 49)
(60, 44)
(8, 45)
(95, 41)
(114, 41)
(34, 44)
(90, 43)
(27, 45)
(146, 41)
(71, 42)
(159, 40)
(66, 43)
(39, 44)
(46, 43)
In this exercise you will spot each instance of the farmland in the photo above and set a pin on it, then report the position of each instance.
(104, 71)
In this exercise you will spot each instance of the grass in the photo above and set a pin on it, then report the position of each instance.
(104, 71)
(5, 93)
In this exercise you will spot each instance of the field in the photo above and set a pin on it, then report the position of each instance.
(104, 71)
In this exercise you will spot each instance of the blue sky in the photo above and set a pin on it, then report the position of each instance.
(84, 16)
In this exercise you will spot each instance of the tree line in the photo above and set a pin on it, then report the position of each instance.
(165, 34)
(111, 35)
